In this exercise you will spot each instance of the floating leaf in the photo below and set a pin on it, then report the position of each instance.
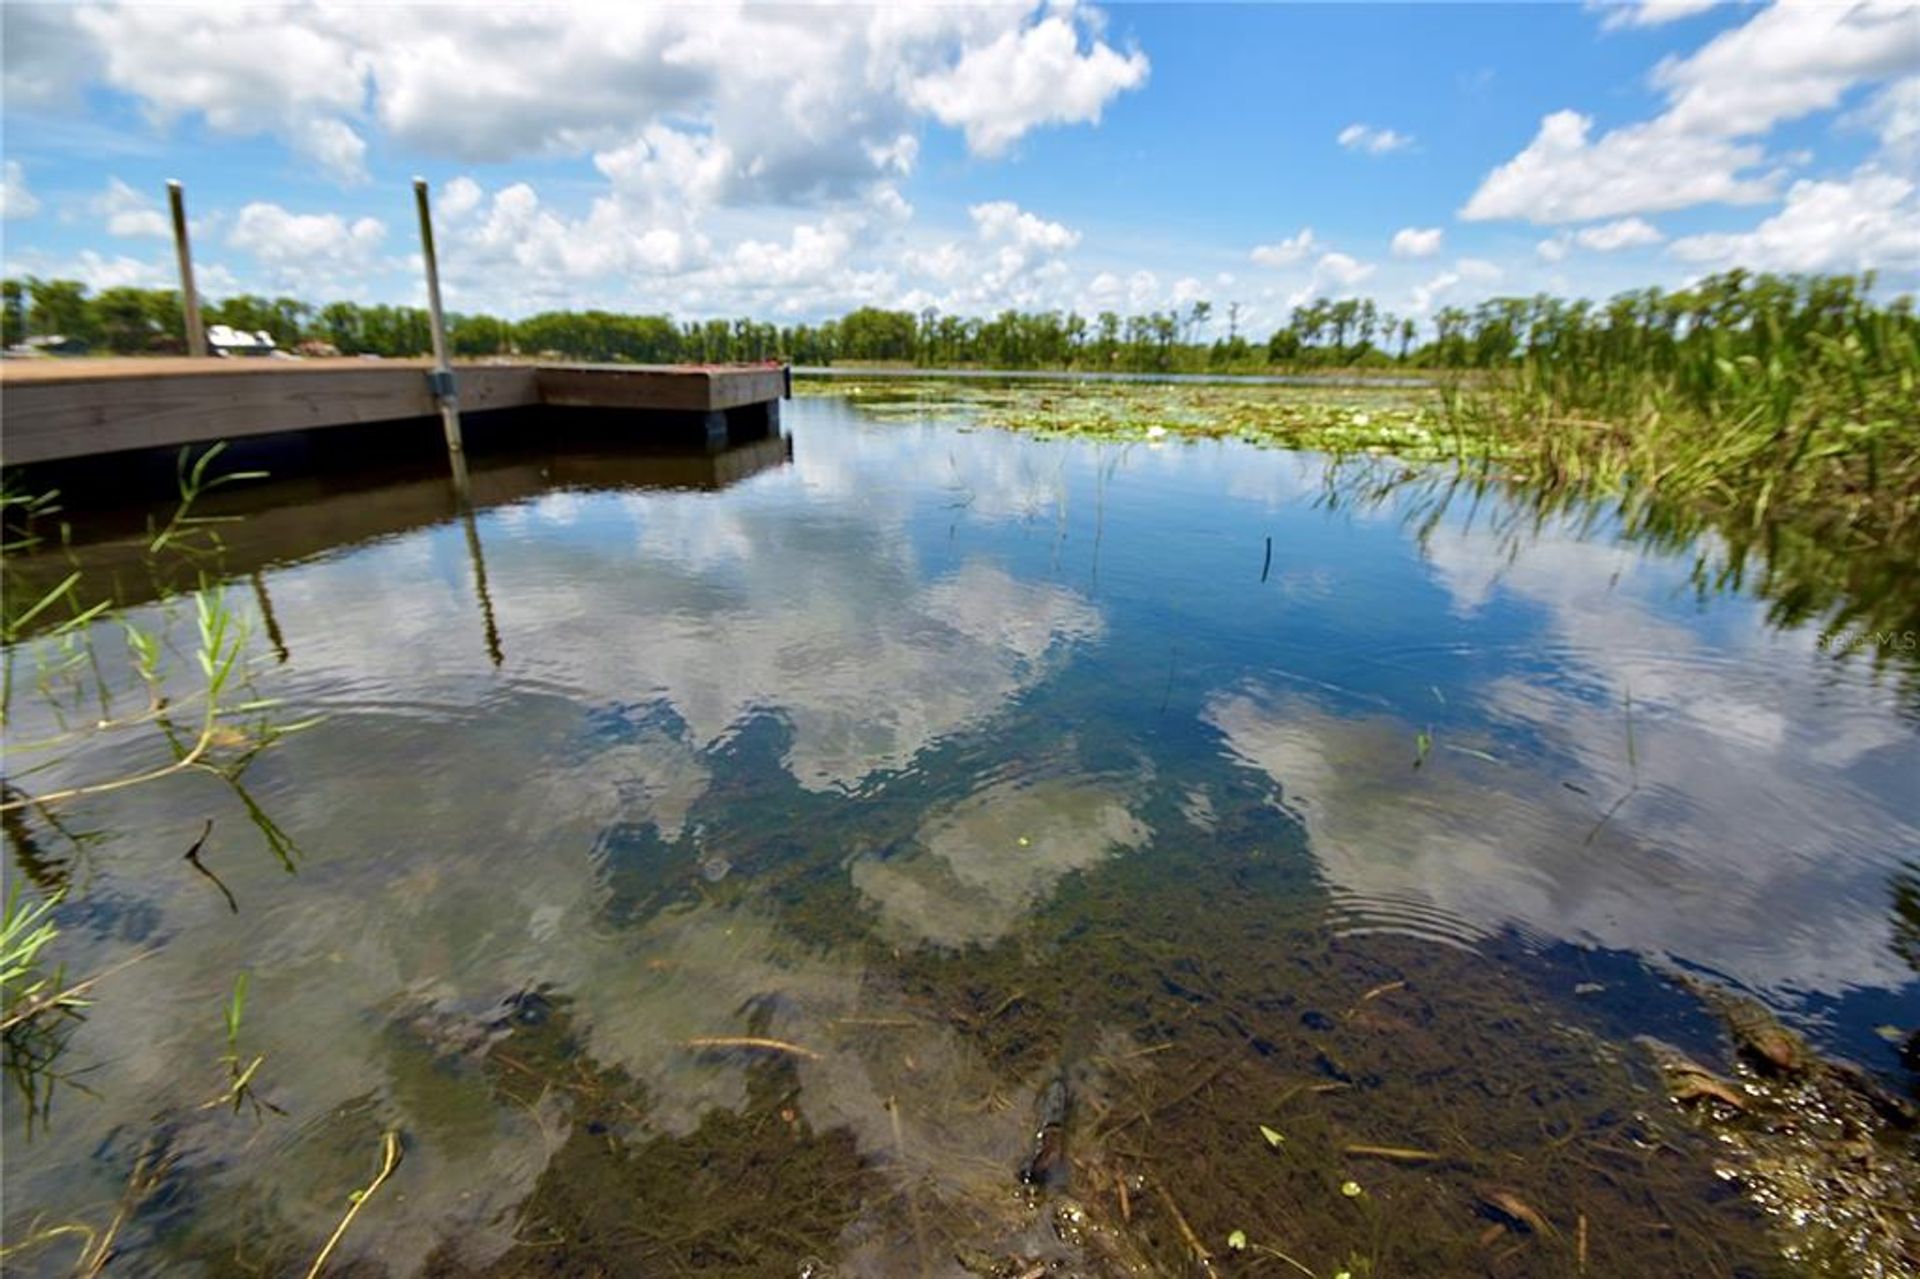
(1274, 1138)
(1237, 1241)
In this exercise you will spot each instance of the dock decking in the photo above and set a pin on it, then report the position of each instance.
(54, 410)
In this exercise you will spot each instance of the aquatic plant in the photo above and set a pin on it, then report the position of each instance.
(35, 1001)
(240, 1090)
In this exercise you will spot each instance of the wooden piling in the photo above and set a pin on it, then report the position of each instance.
(441, 378)
(189, 298)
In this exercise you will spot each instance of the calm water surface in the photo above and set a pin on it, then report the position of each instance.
(939, 765)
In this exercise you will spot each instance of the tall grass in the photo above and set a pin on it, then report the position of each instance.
(1781, 415)
(1752, 398)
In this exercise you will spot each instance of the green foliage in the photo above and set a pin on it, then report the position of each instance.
(13, 312)
(27, 989)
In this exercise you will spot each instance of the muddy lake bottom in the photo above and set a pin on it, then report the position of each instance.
(914, 848)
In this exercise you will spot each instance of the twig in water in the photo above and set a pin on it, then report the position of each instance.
(1266, 565)
(389, 1160)
(1186, 1232)
(1275, 1252)
(1399, 1154)
(193, 858)
(752, 1041)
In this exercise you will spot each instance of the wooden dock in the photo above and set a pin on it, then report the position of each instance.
(56, 410)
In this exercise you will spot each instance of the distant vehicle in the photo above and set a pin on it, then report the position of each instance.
(232, 343)
(47, 344)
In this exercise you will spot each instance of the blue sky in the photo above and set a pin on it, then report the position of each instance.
(789, 163)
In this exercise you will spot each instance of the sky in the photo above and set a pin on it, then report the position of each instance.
(794, 162)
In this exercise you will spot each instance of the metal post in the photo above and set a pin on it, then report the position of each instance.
(189, 299)
(441, 379)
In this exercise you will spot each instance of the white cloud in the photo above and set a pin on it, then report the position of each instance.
(495, 83)
(459, 198)
(1895, 115)
(1026, 78)
(1786, 62)
(1424, 296)
(1342, 269)
(1364, 137)
(809, 254)
(1333, 273)
(552, 253)
(1871, 220)
(129, 214)
(1651, 13)
(298, 243)
(1563, 176)
(99, 272)
(667, 168)
(1005, 220)
(1627, 233)
(1286, 252)
(1554, 250)
(248, 71)
(15, 200)
(1416, 242)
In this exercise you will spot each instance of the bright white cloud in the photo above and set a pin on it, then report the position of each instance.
(1786, 62)
(1627, 233)
(1035, 76)
(1286, 252)
(1651, 13)
(553, 251)
(1565, 176)
(1339, 268)
(668, 167)
(15, 200)
(1871, 220)
(1416, 242)
(657, 90)
(1894, 114)
(129, 214)
(1006, 221)
(299, 243)
(250, 71)
(459, 198)
(1372, 141)
(1423, 297)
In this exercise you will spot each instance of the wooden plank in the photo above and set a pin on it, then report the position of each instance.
(47, 419)
(56, 409)
(694, 389)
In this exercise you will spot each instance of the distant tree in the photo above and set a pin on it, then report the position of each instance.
(13, 312)
(60, 307)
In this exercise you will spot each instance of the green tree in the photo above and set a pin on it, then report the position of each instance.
(60, 308)
(13, 312)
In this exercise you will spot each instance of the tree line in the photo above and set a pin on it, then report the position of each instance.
(1646, 326)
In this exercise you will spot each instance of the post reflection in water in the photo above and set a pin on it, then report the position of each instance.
(472, 528)
(817, 841)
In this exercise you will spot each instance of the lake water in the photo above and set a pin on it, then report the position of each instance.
(712, 865)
